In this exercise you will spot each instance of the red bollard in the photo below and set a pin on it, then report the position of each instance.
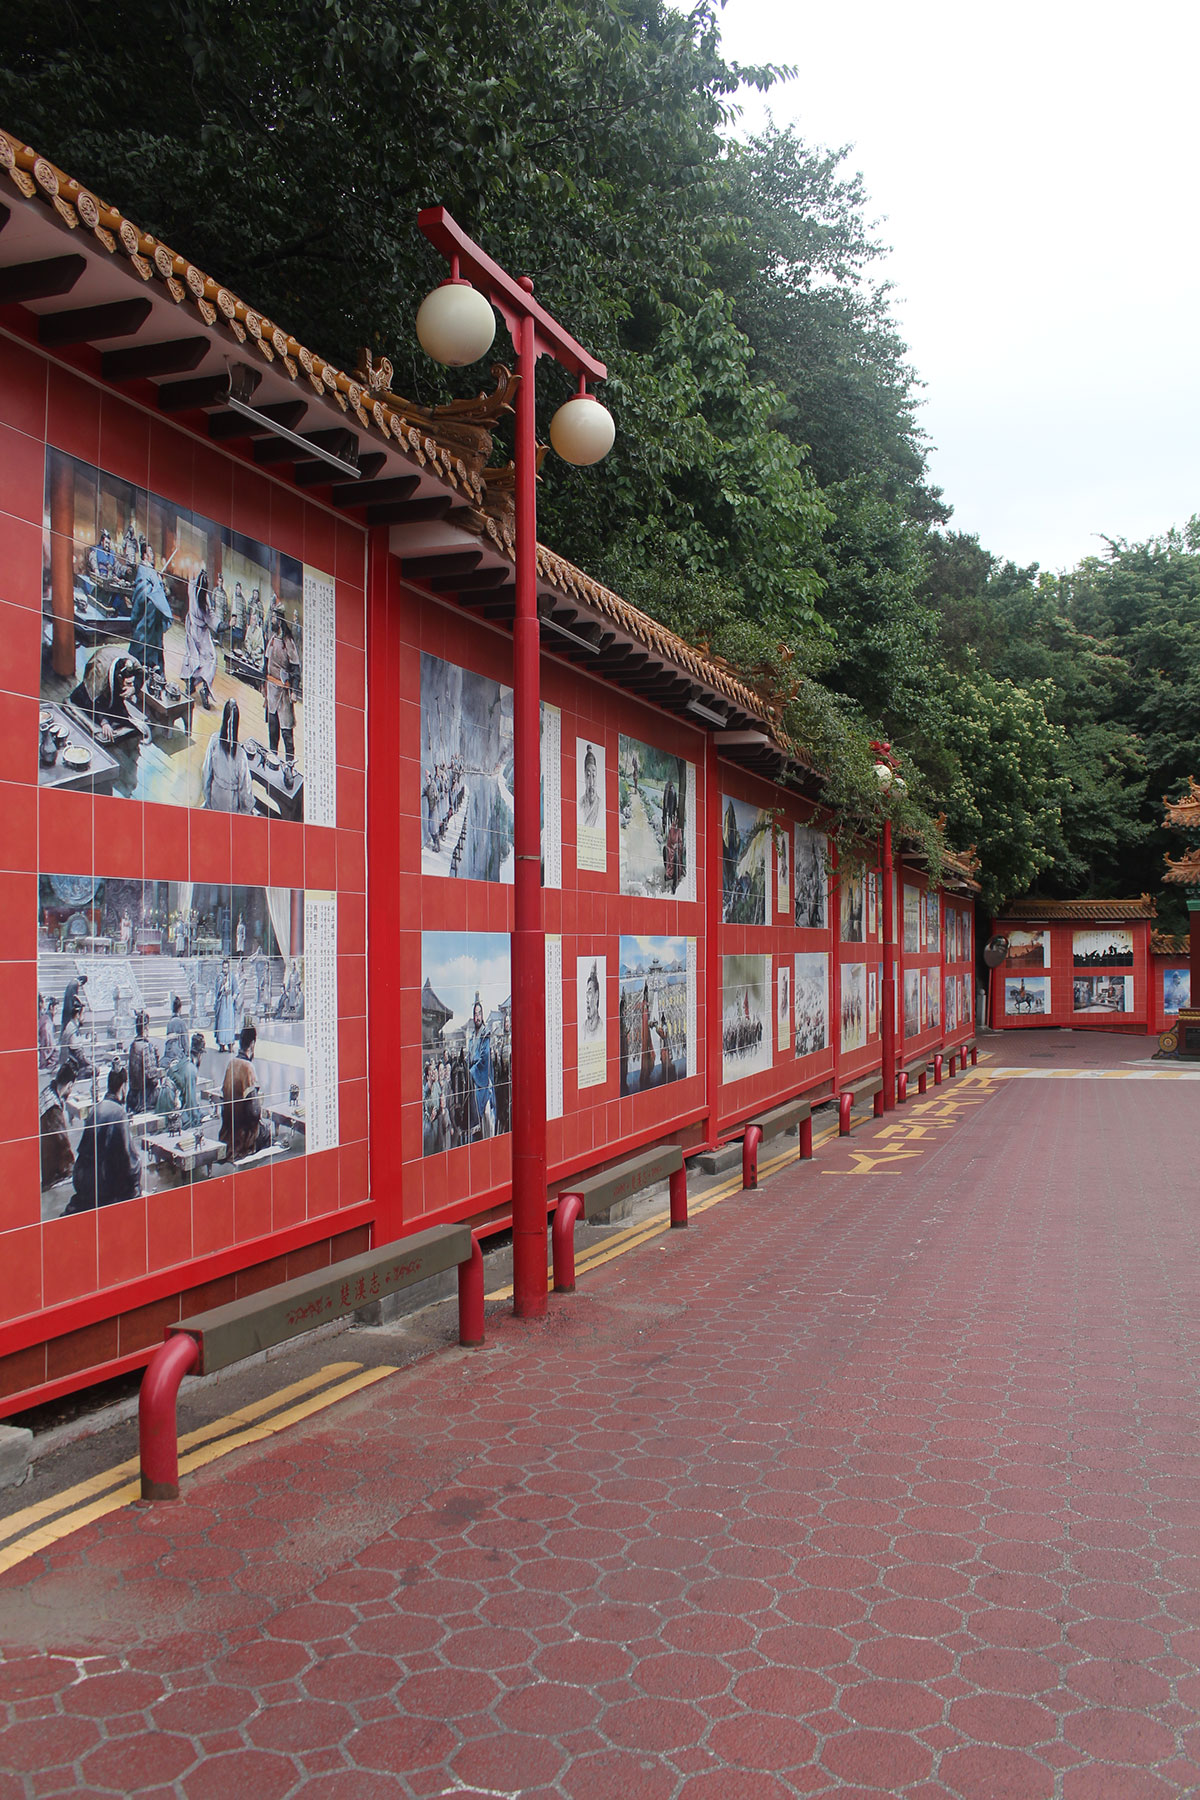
(923, 1082)
(937, 1068)
(974, 1057)
(679, 1216)
(901, 1088)
(750, 1142)
(845, 1102)
(806, 1139)
(877, 1105)
(158, 1429)
(470, 1298)
(562, 1237)
(950, 1070)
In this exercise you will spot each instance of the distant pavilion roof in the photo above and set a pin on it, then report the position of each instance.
(1106, 911)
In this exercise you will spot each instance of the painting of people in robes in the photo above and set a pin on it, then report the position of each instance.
(854, 1007)
(654, 828)
(912, 1003)
(652, 1018)
(746, 834)
(812, 880)
(811, 1001)
(174, 660)
(466, 773)
(1177, 989)
(186, 1003)
(912, 920)
(466, 1038)
(591, 990)
(852, 889)
(1102, 993)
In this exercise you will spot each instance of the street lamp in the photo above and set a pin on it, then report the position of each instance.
(452, 328)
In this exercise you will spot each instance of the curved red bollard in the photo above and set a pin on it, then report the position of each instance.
(562, 1237)
(974, 1057)
(679, 1216)
(845, 1102)
(937, 1068)
(751, 1139)
(158, 1429)
(806, 1139)
(470, 1298)
(901, 1088)
(950, 1070)
(923, 1082)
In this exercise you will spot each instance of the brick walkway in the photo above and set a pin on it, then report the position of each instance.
(879, 1482)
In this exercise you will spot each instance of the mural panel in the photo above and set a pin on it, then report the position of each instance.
(183, 663)
(183, 1028)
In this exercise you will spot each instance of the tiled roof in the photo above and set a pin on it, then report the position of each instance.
(1110, 911)
(1185, 812)
(1163, 943)
(195, 292)
(1184, 869)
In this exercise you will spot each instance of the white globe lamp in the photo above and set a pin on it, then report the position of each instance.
(455, 324)
(582, 431)
(885, 775)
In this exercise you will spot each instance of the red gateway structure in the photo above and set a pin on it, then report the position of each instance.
(271, 820)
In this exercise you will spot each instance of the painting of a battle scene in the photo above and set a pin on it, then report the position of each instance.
(746, 834)
(745, 1016)
(466, 1038)
(653, 1018)
(172, 658)
(652, 792)
(170, 1034)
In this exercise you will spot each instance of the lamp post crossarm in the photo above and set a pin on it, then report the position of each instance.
(511, 300)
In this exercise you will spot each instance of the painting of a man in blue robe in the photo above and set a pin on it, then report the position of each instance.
(466, 1039)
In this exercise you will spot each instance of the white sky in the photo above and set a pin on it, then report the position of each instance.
(1034, 167)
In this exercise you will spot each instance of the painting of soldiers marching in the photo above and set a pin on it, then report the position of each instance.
(174, 1035)
(182, 662)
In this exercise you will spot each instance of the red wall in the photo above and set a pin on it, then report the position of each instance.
(94, 1290)
(1061, 967)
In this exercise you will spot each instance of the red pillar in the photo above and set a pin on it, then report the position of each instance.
(887, 1000)
(1194, 952)
(714, 895)
(528, 941)
(62, 564)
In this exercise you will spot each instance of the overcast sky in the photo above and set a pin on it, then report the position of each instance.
(1034, 167)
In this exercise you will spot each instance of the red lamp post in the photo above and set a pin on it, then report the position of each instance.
(889, 779)
(455, 332)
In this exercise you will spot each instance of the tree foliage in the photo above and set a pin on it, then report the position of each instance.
(767, 495)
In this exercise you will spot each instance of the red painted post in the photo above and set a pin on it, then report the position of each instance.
(806, 1147)
(877, 1105)
(974, 1056)
(845, 1102)
(470, 1298)
(923, 1081)
(158, 1429)
(950, 1069)
(751, 1139)
(888, 997)
(679, 1216)
(937, 1068)
(562, 1237)
(902, 1087)
(528, 944)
